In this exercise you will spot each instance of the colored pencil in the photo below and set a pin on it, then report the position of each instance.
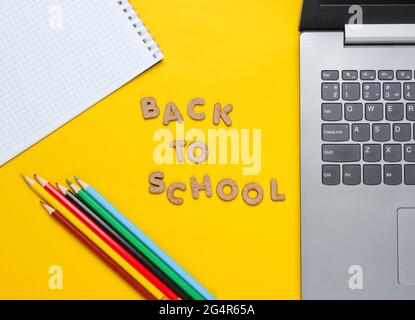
(100, 253)
(48, 198)
(117, 237)
(144, 239)
(55, 198)
(114, 223)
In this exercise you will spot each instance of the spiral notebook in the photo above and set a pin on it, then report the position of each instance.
(60, 57)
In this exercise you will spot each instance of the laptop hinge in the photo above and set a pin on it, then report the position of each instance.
(386, 34)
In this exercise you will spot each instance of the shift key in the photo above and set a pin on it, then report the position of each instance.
(341, 152)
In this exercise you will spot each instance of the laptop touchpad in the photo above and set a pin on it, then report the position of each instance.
(406, 246)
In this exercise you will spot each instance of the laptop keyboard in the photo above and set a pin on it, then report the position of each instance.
(368, 127)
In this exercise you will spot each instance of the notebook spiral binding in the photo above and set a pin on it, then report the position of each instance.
(141, 30)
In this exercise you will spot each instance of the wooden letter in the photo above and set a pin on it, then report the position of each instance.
(191, 109)
(172, 113)
(149, 108)
(222, 114)
(191, 154)
(179, 147)
(274, 191)
(157, 185)
(234, 190)
(170, 193)
(259, 194)
(196, 187)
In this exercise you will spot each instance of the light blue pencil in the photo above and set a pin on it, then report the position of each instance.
(141, 236)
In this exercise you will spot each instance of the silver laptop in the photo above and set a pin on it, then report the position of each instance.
(358, 149)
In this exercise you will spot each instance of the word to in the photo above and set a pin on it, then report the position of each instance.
(218, 146)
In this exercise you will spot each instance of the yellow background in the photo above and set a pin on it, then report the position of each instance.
(240, 52)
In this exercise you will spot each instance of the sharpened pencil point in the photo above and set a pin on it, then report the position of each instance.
(83, 184)
(62, 189)
(47, 207)
(42, 181)
(28, 180)
(73, 186)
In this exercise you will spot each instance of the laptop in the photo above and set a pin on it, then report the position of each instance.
(358, 149)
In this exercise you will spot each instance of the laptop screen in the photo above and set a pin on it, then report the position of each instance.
(334, 14)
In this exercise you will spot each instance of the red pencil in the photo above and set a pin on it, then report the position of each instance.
(107, 239)
(101, 254)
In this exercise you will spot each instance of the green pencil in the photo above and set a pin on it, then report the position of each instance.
(136, 243)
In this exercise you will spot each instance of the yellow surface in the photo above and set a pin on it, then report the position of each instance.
(42, 193)
(240, 52)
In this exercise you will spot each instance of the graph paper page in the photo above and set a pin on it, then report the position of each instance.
(60, 57)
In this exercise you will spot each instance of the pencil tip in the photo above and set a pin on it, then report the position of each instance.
(83, 184)
(62, 189)
(28, 180)
(42, 181)
(73, 186)
(47, 207)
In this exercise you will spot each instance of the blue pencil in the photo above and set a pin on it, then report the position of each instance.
(143, 238)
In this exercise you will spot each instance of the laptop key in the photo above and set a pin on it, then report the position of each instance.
(361, 132)
(409, 152)
(410, 111)
(395, 111)
(335, 132)
(330, 75)
(330, 91)
(341, 153)
(331, 175)
(404, 75)
(392, 91)
(371, 91)
(368, 75)
(331, 111)
(374, 111)
(353, 111)
(351, 91)
(372, 152)
(381, 132)
(350, 75)
(386, 75)
(409, 91)
(402, 132)
(352, 175)
(392, 175)
(410, 174)
(372, 174)
(392, 152)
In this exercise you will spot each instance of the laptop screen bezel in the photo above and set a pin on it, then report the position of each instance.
(333, 17)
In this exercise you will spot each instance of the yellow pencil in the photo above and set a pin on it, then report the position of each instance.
(94, 238)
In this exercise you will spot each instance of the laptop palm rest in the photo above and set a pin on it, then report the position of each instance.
(406, 246)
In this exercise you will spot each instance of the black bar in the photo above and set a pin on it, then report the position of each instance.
(320, 15)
